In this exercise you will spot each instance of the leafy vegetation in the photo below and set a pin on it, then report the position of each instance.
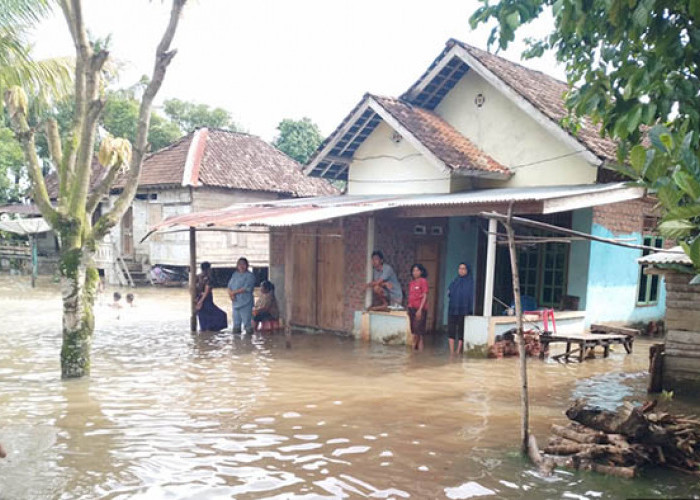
(298, 138)
(632, 66)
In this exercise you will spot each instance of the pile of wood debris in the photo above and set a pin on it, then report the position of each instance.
(619, 443)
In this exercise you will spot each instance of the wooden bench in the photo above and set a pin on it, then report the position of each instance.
(585, 341)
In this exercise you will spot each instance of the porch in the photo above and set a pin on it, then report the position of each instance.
(320, 253)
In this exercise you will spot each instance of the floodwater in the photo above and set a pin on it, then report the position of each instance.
(168, 414)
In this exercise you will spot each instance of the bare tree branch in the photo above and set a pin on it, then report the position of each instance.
(163, 57)
(25, 136)
(74, 21)
(95, 105)
(54, 139)
(102, 189)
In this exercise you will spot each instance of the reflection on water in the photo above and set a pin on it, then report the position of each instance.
(168, 414)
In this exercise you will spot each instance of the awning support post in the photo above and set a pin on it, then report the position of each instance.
(370, 249)
(35, 259)
(490, 267)
(193, 279)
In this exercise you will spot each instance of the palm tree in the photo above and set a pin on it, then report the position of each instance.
(45, 80)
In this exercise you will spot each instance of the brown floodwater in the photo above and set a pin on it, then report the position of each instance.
(169, 414)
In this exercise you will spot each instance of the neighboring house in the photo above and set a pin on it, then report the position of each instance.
(681, 360)
(204, 170)
(475, 133)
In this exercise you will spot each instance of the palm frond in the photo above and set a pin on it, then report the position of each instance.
(13, 12)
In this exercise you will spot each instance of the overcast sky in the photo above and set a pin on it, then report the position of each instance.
(266, 60)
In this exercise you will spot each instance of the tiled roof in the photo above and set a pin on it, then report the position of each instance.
(165, 167)
(441, 138)
(220, 158)
(98, 172)
(242, 161)
(545, 93)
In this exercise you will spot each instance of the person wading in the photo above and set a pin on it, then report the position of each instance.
(240, 289)
(211, 318)
(461, 293)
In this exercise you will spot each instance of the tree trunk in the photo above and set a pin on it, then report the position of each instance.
(628, 421)
(79, 279)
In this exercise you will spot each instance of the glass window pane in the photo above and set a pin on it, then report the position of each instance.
(641, 296)
(654, 291)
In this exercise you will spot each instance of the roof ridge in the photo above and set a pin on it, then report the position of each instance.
(233, 132)
(469, 47)
(173, 144)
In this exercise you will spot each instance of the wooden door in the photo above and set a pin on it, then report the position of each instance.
(330, 262)
(128, 233)
(304, 279)
(428, 254)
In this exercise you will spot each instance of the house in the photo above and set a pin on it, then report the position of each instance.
(206, 169)
(475, 133)
(681, 366)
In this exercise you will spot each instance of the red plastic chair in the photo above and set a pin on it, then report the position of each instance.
(545, 315)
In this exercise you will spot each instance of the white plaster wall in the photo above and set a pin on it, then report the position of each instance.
(381, 166)
(221, 249)
(511, 136)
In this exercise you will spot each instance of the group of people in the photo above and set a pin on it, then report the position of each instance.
(385, 285)
(389, 296)
(246, 314)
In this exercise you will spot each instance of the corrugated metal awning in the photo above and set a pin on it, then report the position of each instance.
(26, 226)
(674, 255)
(293, 212)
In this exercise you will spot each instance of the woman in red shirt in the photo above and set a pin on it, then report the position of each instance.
(418, 304)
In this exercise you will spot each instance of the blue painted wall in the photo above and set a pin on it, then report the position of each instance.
(579, 257)
(613, 277)
(462, 240)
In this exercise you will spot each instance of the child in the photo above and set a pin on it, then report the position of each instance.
(461, 304)
(130, 300)
(117, 304)
(418, 304)
(266, 309)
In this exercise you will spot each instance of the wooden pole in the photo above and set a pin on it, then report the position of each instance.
(550, 227)
(193, 279)
(35, 259)
(524, 401)
(490, 267)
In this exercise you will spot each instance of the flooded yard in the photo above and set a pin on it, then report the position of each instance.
(169, 414)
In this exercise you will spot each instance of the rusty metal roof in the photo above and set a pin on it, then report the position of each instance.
(292, 212)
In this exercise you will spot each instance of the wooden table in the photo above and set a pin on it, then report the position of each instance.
(585, 341)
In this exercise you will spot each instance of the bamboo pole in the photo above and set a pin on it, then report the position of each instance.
(193, 279)
(550, 227)
(524, 400)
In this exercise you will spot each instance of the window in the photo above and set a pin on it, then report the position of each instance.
(543, 270)
(648, 292)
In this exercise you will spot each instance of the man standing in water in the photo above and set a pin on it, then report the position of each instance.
(384, 284)
(240, 290)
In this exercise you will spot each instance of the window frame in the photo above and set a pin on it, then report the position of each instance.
(657, 242)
